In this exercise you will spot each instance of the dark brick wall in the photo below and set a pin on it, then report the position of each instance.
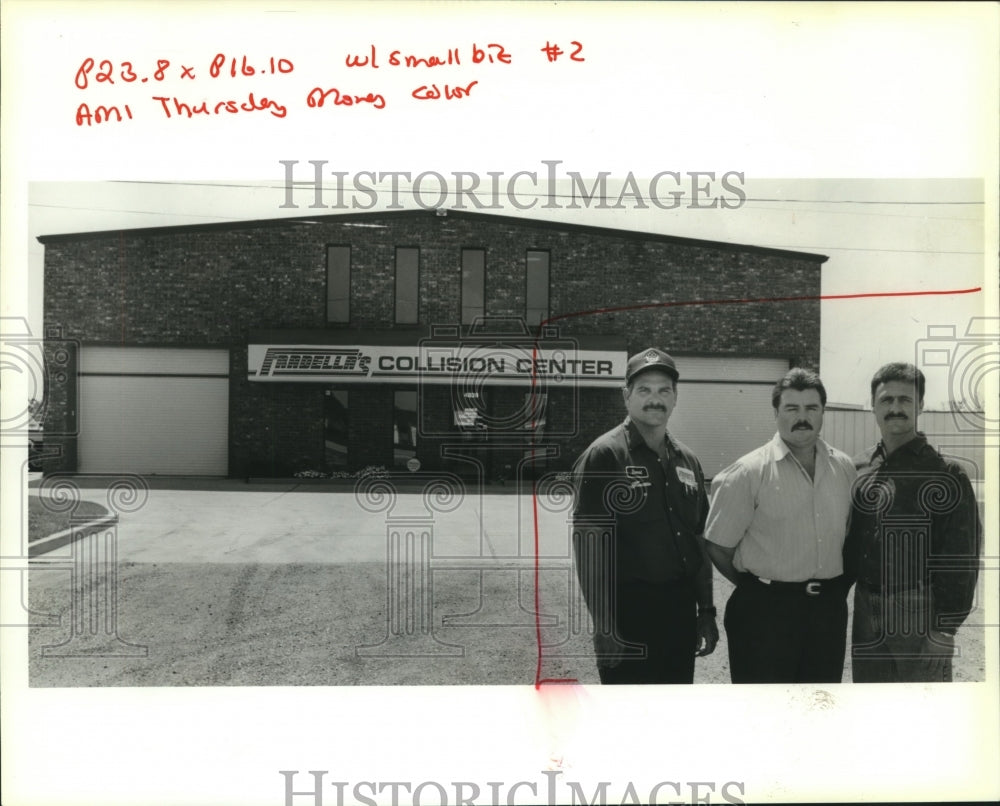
(211, 286)
(60, 414)
(695, 289)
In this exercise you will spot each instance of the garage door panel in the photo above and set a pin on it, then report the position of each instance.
(724, 406)
(731, 368)
(153, 424)
(153, 361)
(722, 422)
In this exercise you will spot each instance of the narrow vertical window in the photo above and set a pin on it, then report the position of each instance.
(473, 284)
(335, 424)
(338, 284)
(407, 285)
(537, 290)
(404, 427)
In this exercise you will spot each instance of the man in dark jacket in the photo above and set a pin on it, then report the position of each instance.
(638, 519)
(913, 545)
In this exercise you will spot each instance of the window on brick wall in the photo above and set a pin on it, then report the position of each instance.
(338, 284)
(404, 427)
(335, 422)
(537, 290)
(407, 284)
(473, 284)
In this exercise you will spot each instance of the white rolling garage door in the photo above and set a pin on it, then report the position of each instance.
(152, 410)
(724, 407)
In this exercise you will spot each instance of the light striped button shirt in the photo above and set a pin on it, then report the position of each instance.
(784, 525)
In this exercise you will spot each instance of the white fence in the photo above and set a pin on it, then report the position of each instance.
(957, 434)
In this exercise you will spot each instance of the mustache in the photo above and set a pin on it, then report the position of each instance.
(802, 425)
(654, 407)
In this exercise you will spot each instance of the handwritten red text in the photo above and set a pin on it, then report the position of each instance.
(449, 93)
(85, 116)
(240, 66)
(173, 107)
(492, 53)
(106, 72)
(318, 98)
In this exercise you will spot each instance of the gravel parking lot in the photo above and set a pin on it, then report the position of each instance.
(286, 585)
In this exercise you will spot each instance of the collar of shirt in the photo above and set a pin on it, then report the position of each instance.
(779, 450)
(633, 438)
(915, 447)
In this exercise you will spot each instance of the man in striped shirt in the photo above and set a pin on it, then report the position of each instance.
(776, 529)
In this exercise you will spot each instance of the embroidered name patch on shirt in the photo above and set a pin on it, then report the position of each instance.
(686, 477)
(639, 475)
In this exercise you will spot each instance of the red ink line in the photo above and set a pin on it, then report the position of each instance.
(749, 300)
(534, 514)
(539, 680)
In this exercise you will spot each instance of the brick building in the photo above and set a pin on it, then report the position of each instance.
(438, 339)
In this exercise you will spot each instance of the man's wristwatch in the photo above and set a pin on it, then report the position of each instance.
(707, 611)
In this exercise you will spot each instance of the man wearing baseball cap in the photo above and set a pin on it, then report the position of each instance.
(639, 513)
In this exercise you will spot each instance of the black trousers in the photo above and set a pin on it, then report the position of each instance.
(781, 634)
(660, 617)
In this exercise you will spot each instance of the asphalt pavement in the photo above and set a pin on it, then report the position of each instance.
(229, 583)
(221, 582)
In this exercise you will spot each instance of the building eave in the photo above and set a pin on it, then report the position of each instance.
(442, 214)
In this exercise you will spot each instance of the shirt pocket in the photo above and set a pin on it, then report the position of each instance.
(685, 499)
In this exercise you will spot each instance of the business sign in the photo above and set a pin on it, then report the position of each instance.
(476, 362)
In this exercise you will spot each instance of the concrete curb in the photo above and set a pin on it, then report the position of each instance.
(92, 481)
(401, 483)
(56, 541)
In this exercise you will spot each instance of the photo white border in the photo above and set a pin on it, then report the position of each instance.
(851, 91)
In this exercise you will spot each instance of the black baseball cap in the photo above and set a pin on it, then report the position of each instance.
(650, 358)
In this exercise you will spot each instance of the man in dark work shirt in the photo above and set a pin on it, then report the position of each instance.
(638, 519)
(913, 544)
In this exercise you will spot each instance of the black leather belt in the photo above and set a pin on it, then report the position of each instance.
(810, 587)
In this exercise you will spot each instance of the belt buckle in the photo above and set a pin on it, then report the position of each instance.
(813, 587)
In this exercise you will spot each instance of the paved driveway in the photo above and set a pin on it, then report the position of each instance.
(284, 584)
